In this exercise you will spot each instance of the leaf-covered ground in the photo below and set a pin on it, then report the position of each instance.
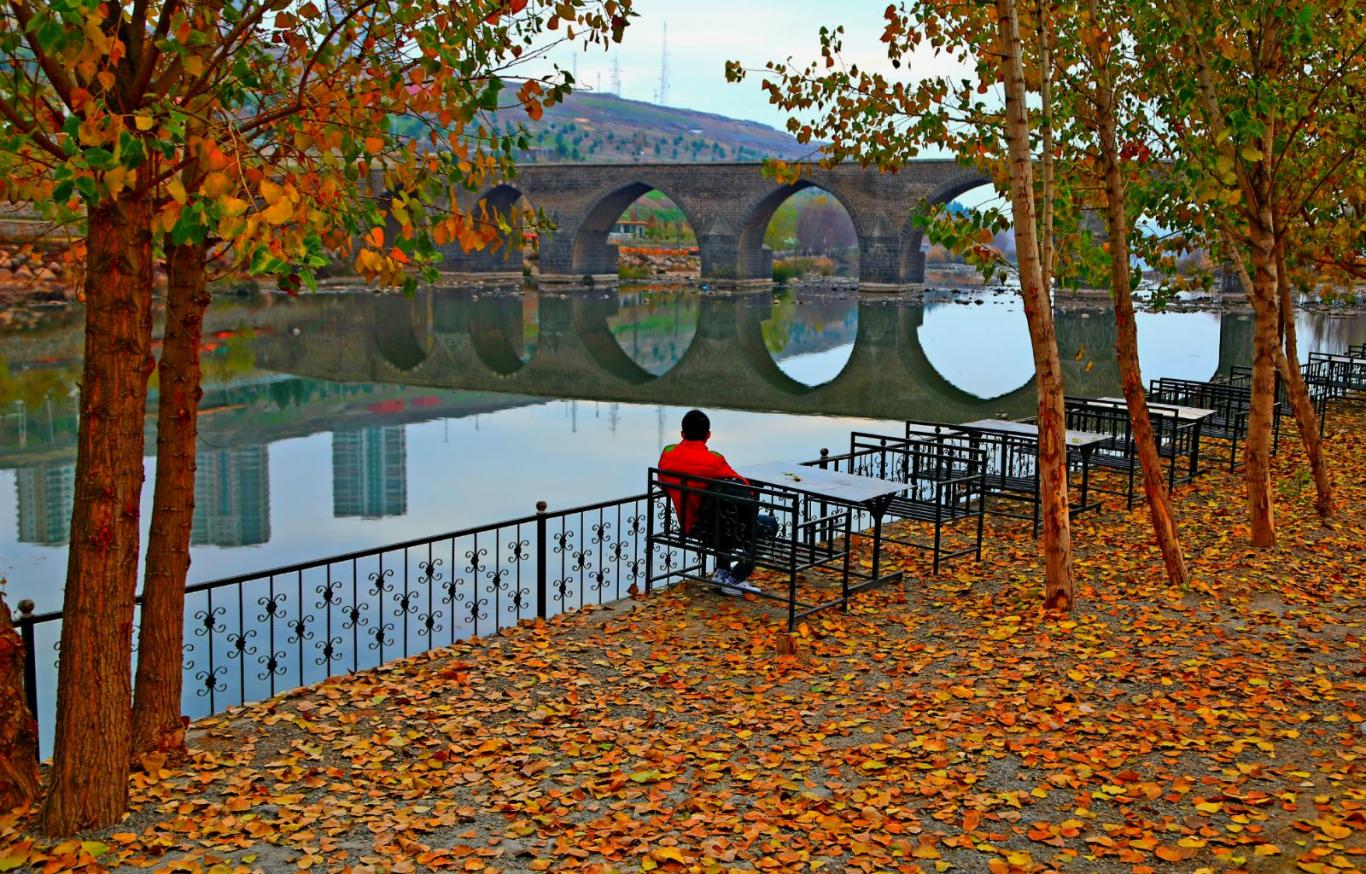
(959, 728)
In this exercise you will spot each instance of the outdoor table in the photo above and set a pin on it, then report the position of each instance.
(1083, 441)
(926, 433)
(842, 489)
(1193, 417)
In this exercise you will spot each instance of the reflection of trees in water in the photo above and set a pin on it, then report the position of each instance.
(810, 324)
(1323, 331)
(656, 328)
(227, 358)
(525, 342)
(37, 385)
(38, 403)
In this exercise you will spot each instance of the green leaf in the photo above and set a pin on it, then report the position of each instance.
(13, 859)
(95, 848)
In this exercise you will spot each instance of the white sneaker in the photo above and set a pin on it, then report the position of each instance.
(721, 582)
(741, 587)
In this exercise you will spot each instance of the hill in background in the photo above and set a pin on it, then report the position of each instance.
(604, 128)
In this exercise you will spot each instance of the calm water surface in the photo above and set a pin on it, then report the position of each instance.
(337, 422)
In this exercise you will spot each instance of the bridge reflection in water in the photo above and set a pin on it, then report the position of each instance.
(459, 339)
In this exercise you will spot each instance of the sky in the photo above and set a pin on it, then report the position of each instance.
(704, 34)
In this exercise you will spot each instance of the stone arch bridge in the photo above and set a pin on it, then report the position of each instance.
(728, 207)
(458, 339)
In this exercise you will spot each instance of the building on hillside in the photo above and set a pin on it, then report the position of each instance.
(626, 230)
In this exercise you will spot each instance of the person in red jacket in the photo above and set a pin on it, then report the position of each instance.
(692, 457)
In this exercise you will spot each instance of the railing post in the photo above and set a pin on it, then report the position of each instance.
(30, 658)
(824, 510)
(541, 547)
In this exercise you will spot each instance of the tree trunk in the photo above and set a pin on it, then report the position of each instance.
(89, 779)
(1265, 343)
(1126, 329)
(1308, 421)
(1297, 392)
(1046, 184)
(18, 729)
(157, 723)
(1052, 462)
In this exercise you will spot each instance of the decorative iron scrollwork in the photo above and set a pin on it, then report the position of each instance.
(239, 644)
(329, 648)
(380, 582)
(207, 622)
(208, 681)
(274, 664)
(271, 605)
(300, 629)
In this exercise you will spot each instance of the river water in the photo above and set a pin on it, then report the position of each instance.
(335, 422)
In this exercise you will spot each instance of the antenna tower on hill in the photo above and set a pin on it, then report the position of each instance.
(616, 74)
(662, 96)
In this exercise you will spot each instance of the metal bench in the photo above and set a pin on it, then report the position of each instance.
(680, 547)
(1231, 404)
(945, 481)
(1315, 384)
(1176, 440)
(1338, 375)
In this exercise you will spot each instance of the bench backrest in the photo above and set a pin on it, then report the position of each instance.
(934, 471)
(1006, 455)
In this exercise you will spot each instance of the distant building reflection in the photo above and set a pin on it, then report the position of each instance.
(45, 493)
(370, 472)
(231, 497)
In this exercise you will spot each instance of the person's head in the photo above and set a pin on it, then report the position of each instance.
(696, 425)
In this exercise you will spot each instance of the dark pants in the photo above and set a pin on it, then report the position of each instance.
(730, 520)
(765, 526)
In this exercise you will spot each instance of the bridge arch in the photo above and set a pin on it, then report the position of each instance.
(402, 330)
(753, 261)
(590, 253)
(498, 332)
(912, 259)
(497, 203)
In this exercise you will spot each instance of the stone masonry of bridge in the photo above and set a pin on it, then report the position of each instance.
(728, 207)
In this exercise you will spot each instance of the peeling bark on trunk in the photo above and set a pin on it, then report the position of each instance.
(89, 778)
(1308, 422)
(1265, 344)
(1126, 329)
(19, 779)
(1297, 392)
(1052, 462)
(157, 723)
(1046, 184)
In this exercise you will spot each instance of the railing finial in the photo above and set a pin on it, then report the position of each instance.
(541, 506)
(26, 607)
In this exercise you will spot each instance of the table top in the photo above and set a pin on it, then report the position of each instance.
(843, 487)
(1188, 414)
(928, 433)
(1029, 429)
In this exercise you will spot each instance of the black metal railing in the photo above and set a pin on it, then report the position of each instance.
(251, 636)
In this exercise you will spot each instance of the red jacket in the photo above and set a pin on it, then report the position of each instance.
(692, 457)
